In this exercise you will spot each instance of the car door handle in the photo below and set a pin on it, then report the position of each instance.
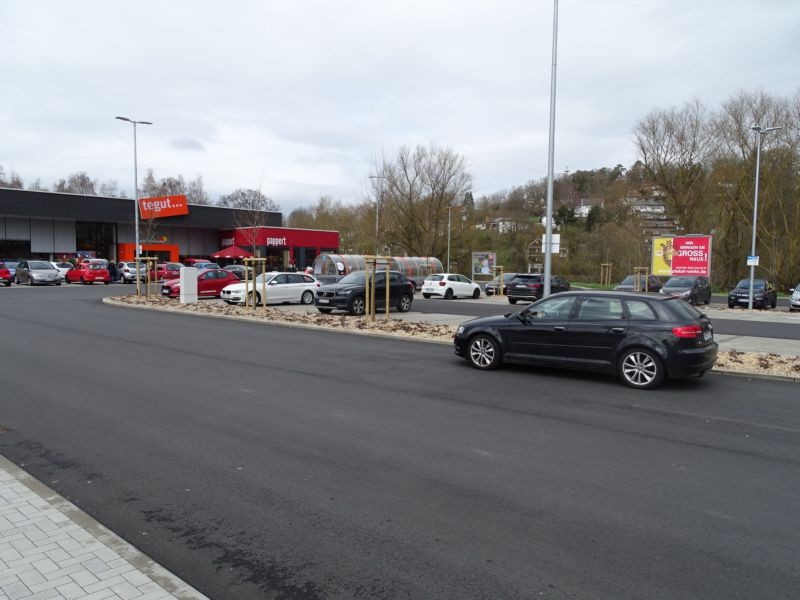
(558, 328)
(617, 330)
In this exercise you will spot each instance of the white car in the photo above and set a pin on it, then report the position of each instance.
(794, 301)
(450, 285)
(282, 288)
(62, 267)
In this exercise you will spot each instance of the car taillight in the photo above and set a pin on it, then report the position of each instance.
(687, 331)
(442, 283)
(534, 286)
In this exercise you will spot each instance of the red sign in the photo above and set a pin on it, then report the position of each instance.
(691, 256)
(163, 206)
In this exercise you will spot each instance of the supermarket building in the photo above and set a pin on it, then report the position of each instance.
(55, 226)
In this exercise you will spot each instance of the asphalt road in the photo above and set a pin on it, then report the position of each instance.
(271, 462)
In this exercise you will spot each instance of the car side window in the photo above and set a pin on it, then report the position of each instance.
(600, 309)
(640, 311)
(552, 308)
(280, 279)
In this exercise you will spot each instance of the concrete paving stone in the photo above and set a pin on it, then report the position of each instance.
(101, 595)
(16, 591)
(33, 577)
(81, 535)
(45, 566)
(40, 548)
(104, 584)
(136, 578)
(126, 591)
(71, 590)
(7, 578)
(57, 554)
(95, 566)
(106, 554)
(46, 595)
(22, 544)
(118, 571)
(84, 578)
(50, 584)
(71, 545)
(10, 554)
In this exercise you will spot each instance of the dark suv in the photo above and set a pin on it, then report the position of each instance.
(695, 290)
(530, 286)
(764, 294)
(349, 293)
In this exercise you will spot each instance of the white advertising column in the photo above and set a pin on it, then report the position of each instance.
(188, 285)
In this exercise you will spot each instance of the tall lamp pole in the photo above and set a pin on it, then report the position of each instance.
(447, 268)
(548, 238)
(135, 196)
(760, 132)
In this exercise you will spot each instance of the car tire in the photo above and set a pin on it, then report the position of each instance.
(8, 283)
(512, 300)
(405, 303)
(307, 297)
(83, 281)
(255, 298)
(483, 352)
(357, 306)
(448, 295)
(774, 303)
(58, 283)
(426, 296)
(325, 311)
(476, 294)
(640, 368)
(730, 305)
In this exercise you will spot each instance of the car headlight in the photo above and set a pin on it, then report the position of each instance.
(460, 330)
(345, 292)
(759, 296)
(686, 293)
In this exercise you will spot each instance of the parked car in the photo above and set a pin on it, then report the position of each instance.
(637, 283)
(694, 290)
(490, 289)
(349, 293)
(205, 265)
(126, 272)
(240, 270)
(794, 300)
(764, 294)
(88, 273)
(62, 267)
(642, 338)
(11, 265)
(37, 272)
(530, 286)
(5, 275)
(166, 271)
(210, 283)
(281, 288)
(450, 285)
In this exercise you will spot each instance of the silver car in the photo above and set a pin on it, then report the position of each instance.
(794, 300)
(37, 272)
(126, 272)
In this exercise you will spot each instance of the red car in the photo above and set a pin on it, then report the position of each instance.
(209, 283)
(166, 271)
(88, 273)
(5, 276)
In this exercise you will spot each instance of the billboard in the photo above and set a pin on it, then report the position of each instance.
(163, 206)
(483, 263)
(685, 255)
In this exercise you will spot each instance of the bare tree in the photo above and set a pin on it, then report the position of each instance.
(12, 180)
(414, 193)
(195, 192)
(252, 210)
(675, 146)
(77, 183)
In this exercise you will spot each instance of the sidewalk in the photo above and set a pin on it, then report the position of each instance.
(50, 549)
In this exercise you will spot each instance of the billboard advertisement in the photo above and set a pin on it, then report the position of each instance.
(483, 263)
(685, 255)
(163, 206)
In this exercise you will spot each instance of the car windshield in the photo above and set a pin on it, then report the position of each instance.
(64, 265)
(744, 284)
(629, 280)
(173, 267)
(680, 282)
(356, 277)
(528, 278)
(41, 265)
(96, 267)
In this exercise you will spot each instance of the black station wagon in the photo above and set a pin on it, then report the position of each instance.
(642, 338)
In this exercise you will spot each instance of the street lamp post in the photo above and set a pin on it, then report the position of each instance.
(135, 197)
(447, 268)
(760, 132)
(548, 237)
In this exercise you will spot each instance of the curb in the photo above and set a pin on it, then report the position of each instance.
(111, 300)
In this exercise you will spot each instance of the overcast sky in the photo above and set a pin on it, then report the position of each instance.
(303, 96)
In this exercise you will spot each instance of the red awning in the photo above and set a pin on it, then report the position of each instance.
(232, 252)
